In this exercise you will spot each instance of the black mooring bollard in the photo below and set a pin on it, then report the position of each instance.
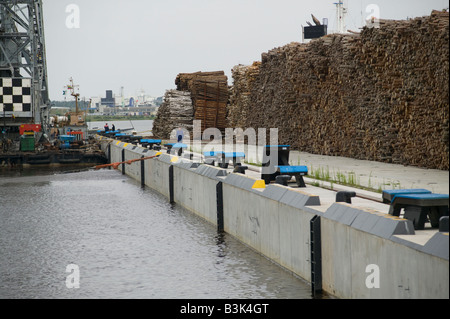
(345, 197)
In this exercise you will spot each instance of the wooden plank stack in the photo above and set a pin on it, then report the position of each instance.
(381, 94)
(209, 92)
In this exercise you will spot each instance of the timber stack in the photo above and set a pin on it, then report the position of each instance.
(240, 94)
(176, 111)
(210, 93)
(381, 94)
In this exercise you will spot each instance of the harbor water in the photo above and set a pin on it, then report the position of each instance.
(142, 127)
(126, 242)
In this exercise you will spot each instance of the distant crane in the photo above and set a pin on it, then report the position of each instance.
(71, 87)
(122, 97)
(341, 13)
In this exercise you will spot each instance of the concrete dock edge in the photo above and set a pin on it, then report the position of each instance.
(275, 221)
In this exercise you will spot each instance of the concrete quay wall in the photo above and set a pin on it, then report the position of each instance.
(405, 272)
(365, 253)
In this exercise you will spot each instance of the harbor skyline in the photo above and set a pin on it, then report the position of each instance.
(142, 45)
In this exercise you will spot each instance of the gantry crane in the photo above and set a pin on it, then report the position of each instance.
(24, 97)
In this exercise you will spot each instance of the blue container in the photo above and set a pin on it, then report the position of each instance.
(67, 138)
(65, 146)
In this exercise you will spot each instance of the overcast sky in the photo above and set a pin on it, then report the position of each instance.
(144, 44)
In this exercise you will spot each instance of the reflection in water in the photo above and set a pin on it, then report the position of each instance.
(221, 244)
(43, 170)
(128, 242)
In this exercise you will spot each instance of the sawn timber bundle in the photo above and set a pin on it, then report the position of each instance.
(209, 92)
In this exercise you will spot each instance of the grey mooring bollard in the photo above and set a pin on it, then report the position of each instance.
(345, 197)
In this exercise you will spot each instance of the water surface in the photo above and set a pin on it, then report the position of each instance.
(128, 242)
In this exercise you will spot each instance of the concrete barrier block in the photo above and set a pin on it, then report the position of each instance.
(139, 150)
(144, 151)
(127, 146)
(187, 165)
(386, 227)
(330, 210)
(132, 153)
(240, 181)
(210, 171)
(274, 192)
(165, 159)
(365, 221)
(438, 246)
(372, 222)
(337, 212)
(299, 199)
(147, 151)
(404, 228)
(347, 215)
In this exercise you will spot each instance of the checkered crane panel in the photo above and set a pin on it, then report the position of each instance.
(15, 95)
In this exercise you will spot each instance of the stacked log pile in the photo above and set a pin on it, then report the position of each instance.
(209, 92)
(240, 94)
(176, 111)
(381, 94)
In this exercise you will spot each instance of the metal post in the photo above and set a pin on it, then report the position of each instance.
(171, 186)
(142, 173)
(123, 161)
(219, 198)
(109, 154)
(316, 256)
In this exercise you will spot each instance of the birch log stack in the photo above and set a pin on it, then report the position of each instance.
(240, 95)
(176, 111)
(380, 95)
